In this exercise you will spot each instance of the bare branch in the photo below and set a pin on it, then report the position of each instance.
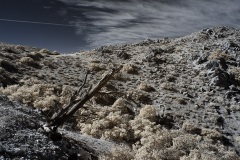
(70, 109)
(71, 101)
(84, 82)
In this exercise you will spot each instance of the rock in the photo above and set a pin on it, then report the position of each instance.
(221, 78)
(202, 59)
(209, 31)
(223, 64)
(231, 44)
(220, 122)
(212, 65)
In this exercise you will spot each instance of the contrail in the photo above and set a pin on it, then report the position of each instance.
(19, 21)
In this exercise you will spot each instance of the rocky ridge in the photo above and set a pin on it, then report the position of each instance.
(174, 98)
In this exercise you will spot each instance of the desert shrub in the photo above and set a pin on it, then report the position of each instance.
(209, 155)
(26, 60)
(29, 61)
(143, 124)
(49, 63)
(146, 87)
(131, 69)
(218, 54)
(148, 112)
(195, 154)
(230, 156)
(186, 142)
(19, 48)
(37, 94)
(235, 108)
(190, 127)
(45, 51)
(66, 92)
(120, 105)
(142, 127)
(120, 153)
(96, 67)
(170, 86)
(111, 122)
(153, 142)
(236, 72)
(36, 56)
(12, 48)
(211, 133)
(111, 127)
(154, 154)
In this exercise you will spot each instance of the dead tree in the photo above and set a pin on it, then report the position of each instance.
(68, 111)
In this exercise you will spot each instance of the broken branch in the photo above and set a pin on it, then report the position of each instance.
(68, 111)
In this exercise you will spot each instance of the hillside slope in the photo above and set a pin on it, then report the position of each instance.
(174, 98)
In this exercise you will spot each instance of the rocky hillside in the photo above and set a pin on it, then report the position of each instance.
(173, 99)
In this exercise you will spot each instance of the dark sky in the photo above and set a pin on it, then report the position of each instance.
(54, 37)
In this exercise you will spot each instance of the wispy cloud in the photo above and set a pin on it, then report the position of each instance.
(109, 22)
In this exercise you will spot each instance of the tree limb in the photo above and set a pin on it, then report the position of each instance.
(68, 111)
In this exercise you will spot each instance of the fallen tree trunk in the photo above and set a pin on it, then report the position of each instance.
(67, 112)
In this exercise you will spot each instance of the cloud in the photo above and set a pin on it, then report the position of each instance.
(108, 22)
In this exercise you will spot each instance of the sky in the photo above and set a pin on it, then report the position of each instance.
(37, 23)
(73, 25)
